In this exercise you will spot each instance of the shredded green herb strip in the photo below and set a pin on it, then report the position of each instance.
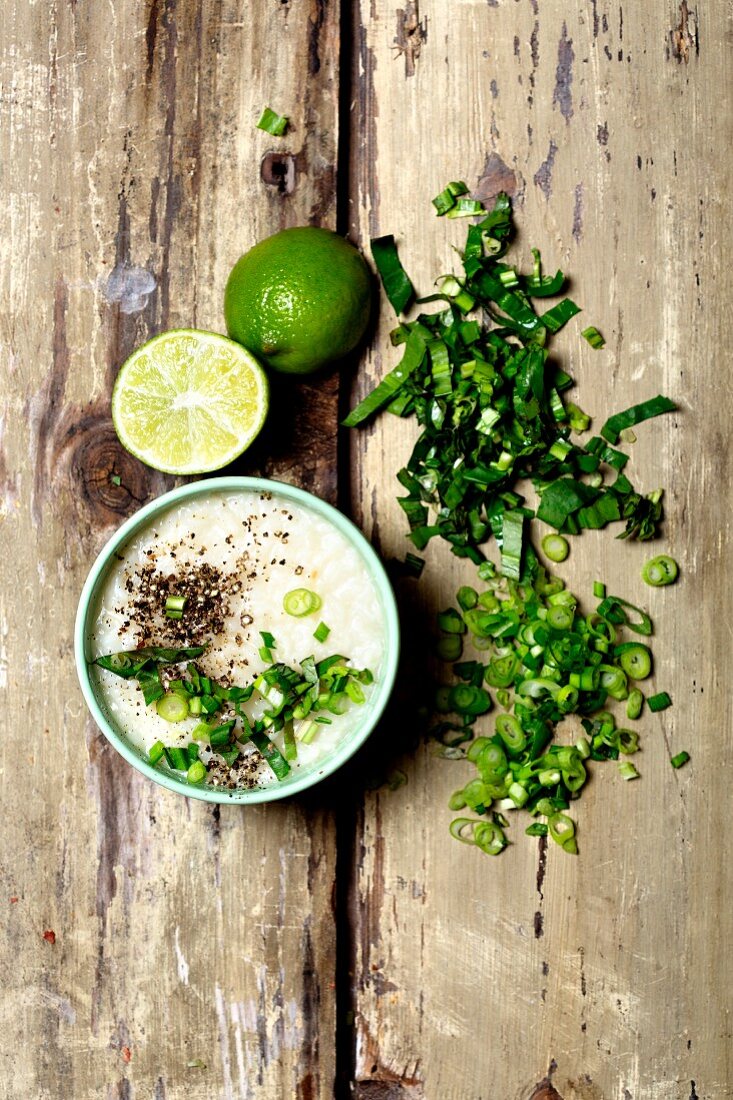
(292, 696)
(395, 280)
(489, 403)
(272, 122)
(545, 659)
(637, 414)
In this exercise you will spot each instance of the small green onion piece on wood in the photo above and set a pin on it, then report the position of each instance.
(272, 123)
(660, 571)
(555, 547)
(593, 336)
(634, 703)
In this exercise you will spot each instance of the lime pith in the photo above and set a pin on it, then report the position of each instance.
(188, 402)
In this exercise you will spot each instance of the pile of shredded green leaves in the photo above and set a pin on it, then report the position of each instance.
(477, 377)
(490, 404)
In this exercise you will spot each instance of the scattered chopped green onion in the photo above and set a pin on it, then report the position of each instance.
(449, 647)
(555, 547)
(272, 122)
(634, 703)
(658, 702)
(680, 759)
(321, 632)
(593, 336)
(635, 659)
(627, 770)
(660, 571)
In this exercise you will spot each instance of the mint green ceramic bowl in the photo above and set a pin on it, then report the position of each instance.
(298, 780)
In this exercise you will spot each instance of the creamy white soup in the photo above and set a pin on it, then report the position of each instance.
(219, 570)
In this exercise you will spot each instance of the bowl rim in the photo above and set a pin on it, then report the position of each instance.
(235, 483)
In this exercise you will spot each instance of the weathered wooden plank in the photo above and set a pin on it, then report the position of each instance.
(132, 178)
(537, 974)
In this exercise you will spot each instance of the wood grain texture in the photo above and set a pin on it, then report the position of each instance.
(602, 977)
(132, 178)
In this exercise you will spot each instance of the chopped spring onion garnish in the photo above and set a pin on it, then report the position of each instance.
(292, 695)
(301, 602)
(267, 639)
(321, 632)
(196, 772)
(172, 707)
(593, 336)
(635, 659)
(414, 565)
(396, 283)
(176, 758)
(680, 759)
(627, 770)
(175, 606)
(660, 571)
(155, 752)
(658, 702)
(634, 703)
(446, 200)
(272, 122)
(489, 402)
(555, 547)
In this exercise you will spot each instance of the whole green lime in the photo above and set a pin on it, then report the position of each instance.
(299, 299)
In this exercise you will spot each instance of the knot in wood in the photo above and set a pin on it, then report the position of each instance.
(278, 170)
(108, 481)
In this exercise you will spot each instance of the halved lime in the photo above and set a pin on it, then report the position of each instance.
(188, 402)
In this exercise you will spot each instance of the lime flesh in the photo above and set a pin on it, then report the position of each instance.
(188, 402)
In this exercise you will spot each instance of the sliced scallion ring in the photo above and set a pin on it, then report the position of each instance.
(172, 707)
(300, 602)
(660, 571)
(635, 659)
(555, 547)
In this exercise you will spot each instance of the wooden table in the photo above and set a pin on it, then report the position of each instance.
(156, 947)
